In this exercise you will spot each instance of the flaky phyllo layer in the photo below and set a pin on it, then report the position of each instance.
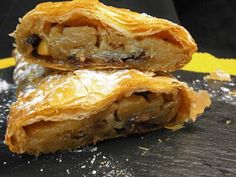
(87, 34)
(67, 110)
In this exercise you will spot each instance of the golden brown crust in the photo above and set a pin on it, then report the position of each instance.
(115, 20)
(84, 93)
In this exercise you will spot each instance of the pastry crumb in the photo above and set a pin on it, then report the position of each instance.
(233, 93)
(218, 75)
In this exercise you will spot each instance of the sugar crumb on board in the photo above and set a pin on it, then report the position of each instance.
(94, 172)
(4, 85)
(67, 171)
(143, 148)
(228, 122)
(83, 166)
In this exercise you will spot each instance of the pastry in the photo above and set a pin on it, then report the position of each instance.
(58, 110)
(88, 34)
(88, 72)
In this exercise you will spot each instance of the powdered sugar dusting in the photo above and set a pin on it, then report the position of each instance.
(146, 15)
(4, 86)
(7, 97)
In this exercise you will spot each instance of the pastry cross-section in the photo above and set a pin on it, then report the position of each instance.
(56, 111)
(88, 34)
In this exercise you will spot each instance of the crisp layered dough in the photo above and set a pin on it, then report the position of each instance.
(87, 34)
(60, 111)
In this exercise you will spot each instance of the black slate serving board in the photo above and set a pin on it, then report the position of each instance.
(204, 148)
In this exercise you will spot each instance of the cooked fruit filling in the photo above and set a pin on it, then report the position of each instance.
(83, 44)
(138, 113)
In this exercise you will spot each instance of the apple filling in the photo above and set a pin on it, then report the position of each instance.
(87, 46)
(138, 113)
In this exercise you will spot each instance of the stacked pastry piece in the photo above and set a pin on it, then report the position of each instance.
(88, 72)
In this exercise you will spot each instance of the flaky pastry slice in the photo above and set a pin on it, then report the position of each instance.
(70, 110)
(88, 34)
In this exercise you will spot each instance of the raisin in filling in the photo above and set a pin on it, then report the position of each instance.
(33, 40)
